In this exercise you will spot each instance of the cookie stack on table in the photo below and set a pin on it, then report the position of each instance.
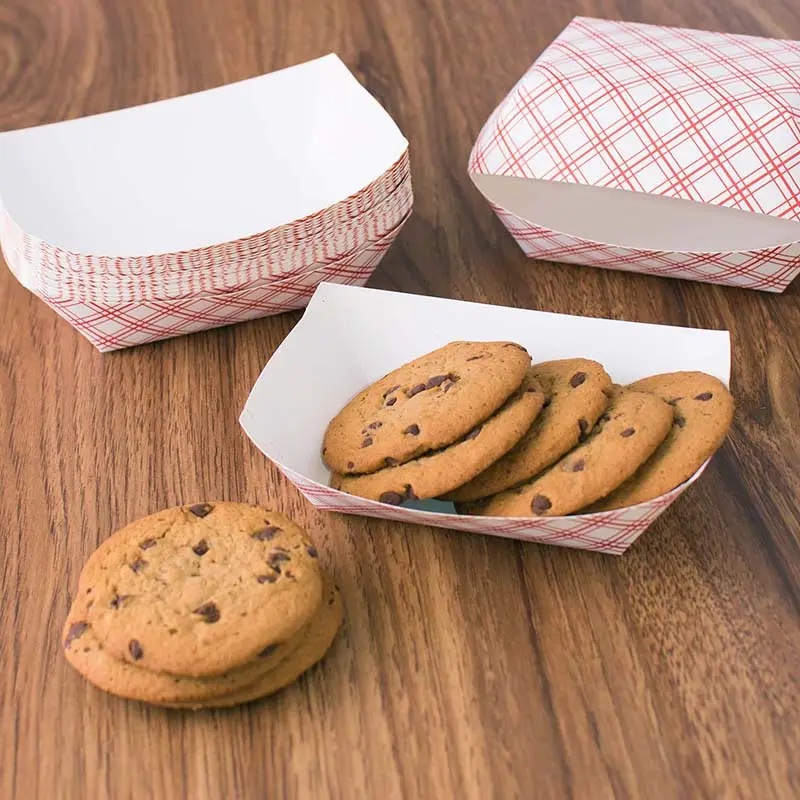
(478, 424)
(202, 606)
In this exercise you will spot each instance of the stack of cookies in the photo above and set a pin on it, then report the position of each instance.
(477, 424)
(207, 605)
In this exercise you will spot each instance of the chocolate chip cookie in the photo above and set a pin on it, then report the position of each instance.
(313, 646)
(576, 392)
(424, 405)
(441, 470)
(200, 590)
(633, 426)
(702, 416)
(124, 679)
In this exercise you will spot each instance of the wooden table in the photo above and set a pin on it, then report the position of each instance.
(469, 667)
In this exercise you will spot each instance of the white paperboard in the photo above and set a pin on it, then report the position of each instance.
(200, 169)
(349, 337)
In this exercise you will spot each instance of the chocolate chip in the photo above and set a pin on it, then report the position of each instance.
(412, 430)
(583, 427)
(448, 386)
(540, 503)
(628, 432)
(577, 466)
(389, 391)
(201, 548)
(392, 498)
(680, 421)
(135, 649)
(268, 650)
(147, 544)
(201, 509)
(312, 551)
(367, 441)
(138, 565)
(76, 630)
(268, 578)
(118, 600)
(277, 557)
(391, 462)
(475, 358)
(265, 534)
(704, 396)
(290, 575)
(577, 379)
(473, 433)
(420, 387)
(208, 611)
(373, 426)
(391, 401)
(350, 465)
(438, 380)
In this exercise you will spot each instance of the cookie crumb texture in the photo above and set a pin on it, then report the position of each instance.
(576, 392)
(633, 426)
(442, 470)
(423, 405)
(199, 590)
(702, 416)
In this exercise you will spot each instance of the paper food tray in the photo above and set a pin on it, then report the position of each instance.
(658, 150)
(226, 270)
(343, 343)
(369, 205)
(201, 169)
(130, 324)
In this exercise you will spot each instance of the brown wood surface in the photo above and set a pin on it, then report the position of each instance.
(469, 667)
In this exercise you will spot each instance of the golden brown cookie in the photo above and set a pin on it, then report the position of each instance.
(634, 425)
(576, 392)
(200, 590)
(437, 472)
(703, 413)
(424, 405)
(124, 679)
(312, 648)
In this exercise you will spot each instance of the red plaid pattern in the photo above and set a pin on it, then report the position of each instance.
(611, 532)
(770, 269)
(680, 113)
(129, 324)
(232, 271)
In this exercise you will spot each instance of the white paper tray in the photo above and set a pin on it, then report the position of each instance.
(349, 337)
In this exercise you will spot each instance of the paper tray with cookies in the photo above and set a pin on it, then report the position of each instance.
(530, 425)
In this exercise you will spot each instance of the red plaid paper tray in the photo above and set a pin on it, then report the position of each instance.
(128, 324)
(659, 150)
(182, 275)
(343, 343)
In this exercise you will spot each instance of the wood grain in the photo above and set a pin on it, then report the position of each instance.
(469, 667)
